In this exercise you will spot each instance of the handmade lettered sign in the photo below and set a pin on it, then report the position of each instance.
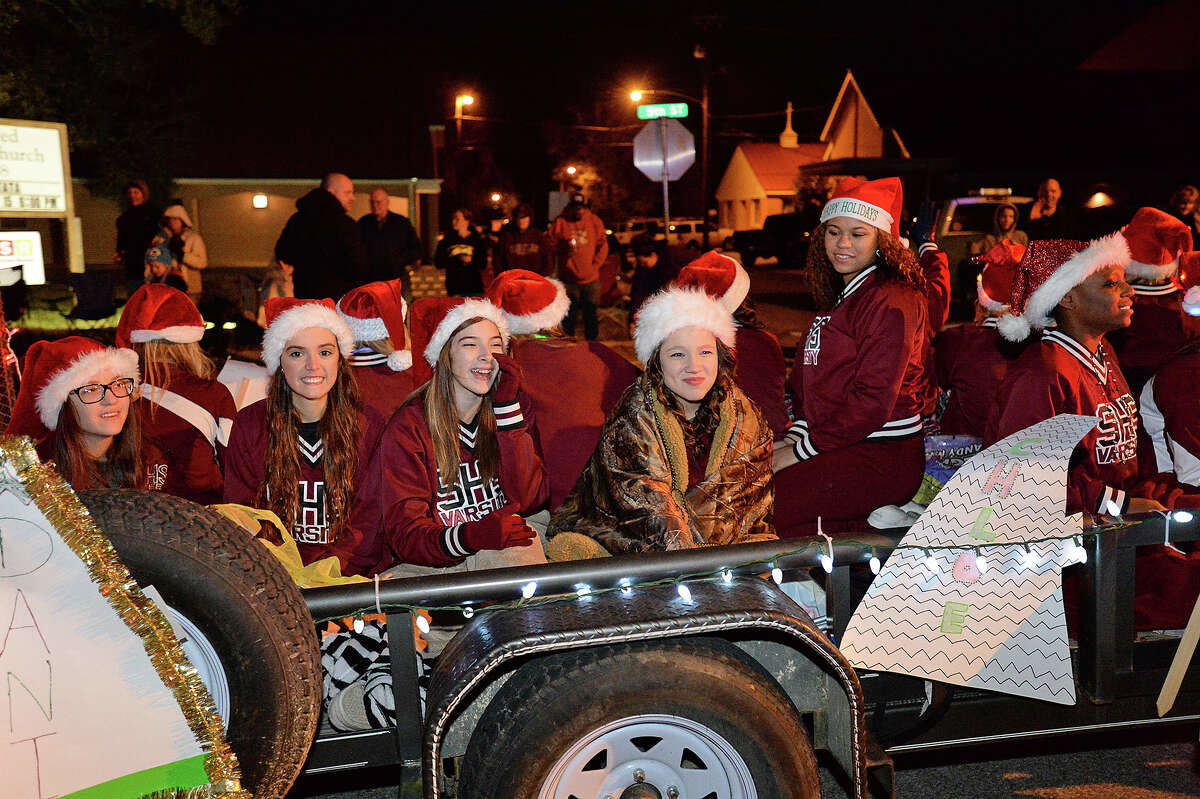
(981, 604)
(98, 700)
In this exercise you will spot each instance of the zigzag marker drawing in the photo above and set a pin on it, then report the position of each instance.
(1001, 628)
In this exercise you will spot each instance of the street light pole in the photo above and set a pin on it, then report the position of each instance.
(700, 53)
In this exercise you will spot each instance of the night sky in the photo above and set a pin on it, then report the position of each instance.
(295, 88)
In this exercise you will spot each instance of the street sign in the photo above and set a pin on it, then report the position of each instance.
(649, 149)
(21, 257)
(656, 110)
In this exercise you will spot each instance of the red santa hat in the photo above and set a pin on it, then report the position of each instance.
(376, 311)
(721, 276)
(53, 369)
(433, 320)
(157, 312)
(676, 308)
(530, 301)
(994, 283)
(1048, 271)
(877, 202)
(287, 316)
(1156, 240)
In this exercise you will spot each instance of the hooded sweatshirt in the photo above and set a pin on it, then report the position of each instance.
(324, 246)
(997, 235)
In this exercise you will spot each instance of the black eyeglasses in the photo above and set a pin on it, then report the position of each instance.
(94, 392)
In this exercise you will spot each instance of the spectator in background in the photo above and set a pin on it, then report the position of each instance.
(186, 246)
(136, 227)
(1184, 208)
(462, 253)
(522, 246)
(276, 283)
(161, 268)
(653, 271)
(322, 243)
(1048, 218)
(1004, 228)
(390, 242)
(580, 241)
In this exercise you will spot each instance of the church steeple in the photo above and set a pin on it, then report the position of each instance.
(788, 137)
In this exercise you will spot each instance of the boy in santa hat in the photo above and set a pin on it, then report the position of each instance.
(1157, 244)
(459, 465)
(971, 360)
(760, 371)
(568, 422)
(307, 451)
(1075, 293)
(861, 381)
(187, 414)
(382, 365)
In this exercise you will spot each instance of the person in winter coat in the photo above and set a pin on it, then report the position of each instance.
(522, 246)
(972, 359)
(391, 243)
(161, 268)
(684, 459)
(307, 452)
(277, 282)
(579, 238)
(860, 382)
(459, 465)
(187, 247)
(136, 227)
(322, 243)
(1004, 228)
(462, 254)
(761, 372)
(75, 403)
(568, 422)
(186, 413)
(382, 365)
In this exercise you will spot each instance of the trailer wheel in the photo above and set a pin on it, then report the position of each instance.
(687, 717)
(257, 644)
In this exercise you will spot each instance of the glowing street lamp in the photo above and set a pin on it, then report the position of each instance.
(571, 171)
(460, 101)
(495, 196)
(636, 96)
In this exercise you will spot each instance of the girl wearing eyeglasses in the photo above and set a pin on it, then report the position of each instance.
(75, 403)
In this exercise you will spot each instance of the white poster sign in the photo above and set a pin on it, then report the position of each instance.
(21, 257)
(974, 596)
(31, 169)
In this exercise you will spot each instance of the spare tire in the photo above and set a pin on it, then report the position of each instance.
(246, 606)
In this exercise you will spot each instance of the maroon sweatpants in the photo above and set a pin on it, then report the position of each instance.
(843, 486)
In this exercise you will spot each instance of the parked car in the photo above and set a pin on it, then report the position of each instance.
(783, 237)
(962, 221)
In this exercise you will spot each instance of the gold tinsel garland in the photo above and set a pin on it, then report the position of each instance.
(58, 501)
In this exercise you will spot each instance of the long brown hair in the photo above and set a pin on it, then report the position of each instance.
(708, 415)
(158, 357)
(339, 428)
(894, 263)
(441, 414)
(124, 466)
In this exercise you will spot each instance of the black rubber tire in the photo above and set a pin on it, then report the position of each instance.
(550, 703)
(244, 601)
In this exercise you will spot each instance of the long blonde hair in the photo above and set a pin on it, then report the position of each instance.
(437, 397)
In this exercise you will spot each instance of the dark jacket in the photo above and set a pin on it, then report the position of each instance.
(523, 249)
(462, 279)
(135, 228)
(390, 246)
(324, 246)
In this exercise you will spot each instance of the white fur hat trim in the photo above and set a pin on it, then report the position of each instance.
(122, 362)
(995, 306)
(302, 317)
(372, 329)
(677, 308)
(177, 334)
(1111, 250)
(467, 309)
(547, 317)
(736, 294)
(1141, 271)
(399, 360)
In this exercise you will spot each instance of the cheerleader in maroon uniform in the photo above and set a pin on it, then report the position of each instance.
(971, 360)
(382, 366)
(568, 422)
(186, 414)
(1158, 242)
(307, 451)
(459, 466)
(859, 383)
(75, 403)
(760, 371)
